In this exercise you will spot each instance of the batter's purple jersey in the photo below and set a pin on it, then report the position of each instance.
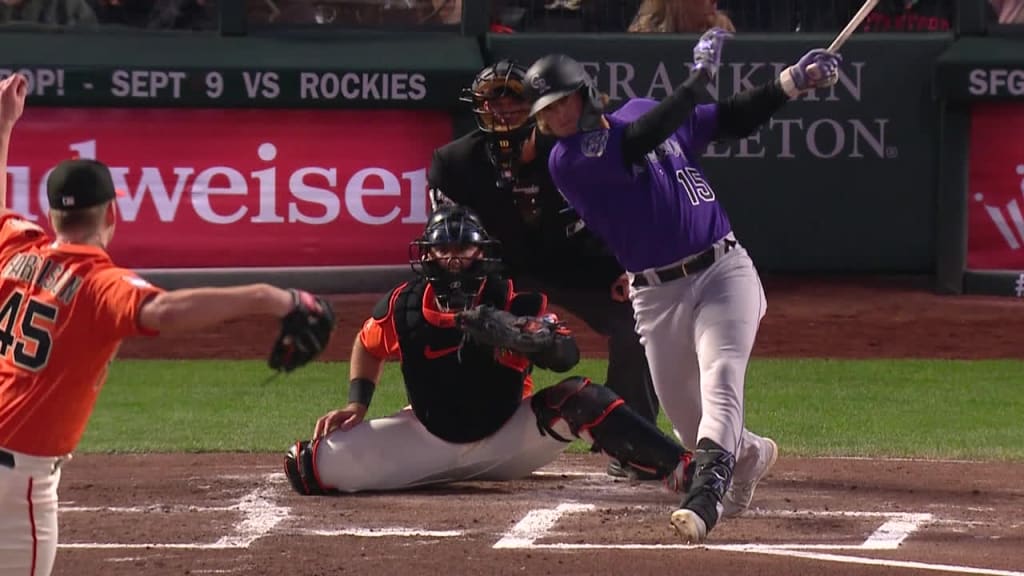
(650, 214)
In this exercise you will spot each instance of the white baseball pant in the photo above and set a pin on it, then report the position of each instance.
(397, 452)
(28, 515)
(698, 332)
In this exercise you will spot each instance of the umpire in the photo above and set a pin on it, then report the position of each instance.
(500, 170)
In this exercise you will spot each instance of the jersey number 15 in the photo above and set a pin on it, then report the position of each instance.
(32, 348)
(697, 188)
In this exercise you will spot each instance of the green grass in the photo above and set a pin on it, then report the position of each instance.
(947, 409)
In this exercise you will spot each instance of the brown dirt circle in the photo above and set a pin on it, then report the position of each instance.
(164, 514)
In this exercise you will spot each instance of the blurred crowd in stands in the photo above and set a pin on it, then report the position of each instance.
(514, 16)
(164, 14)
(696, 16)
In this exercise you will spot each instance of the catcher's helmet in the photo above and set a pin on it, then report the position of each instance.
(556, 76)
(435, 255)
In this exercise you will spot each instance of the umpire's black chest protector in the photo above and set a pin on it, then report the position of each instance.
(457, 388)
(540, 235)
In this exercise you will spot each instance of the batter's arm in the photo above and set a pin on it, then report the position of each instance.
(648, 131)
(744, 113)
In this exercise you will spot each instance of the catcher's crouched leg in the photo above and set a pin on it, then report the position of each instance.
(300, 468)
(615, 427)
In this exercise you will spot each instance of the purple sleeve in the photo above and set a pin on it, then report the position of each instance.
(700, 129)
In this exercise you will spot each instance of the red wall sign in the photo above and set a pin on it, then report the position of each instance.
(995, 226)
(243, 188)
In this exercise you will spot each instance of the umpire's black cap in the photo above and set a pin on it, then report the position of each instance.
(78, 184)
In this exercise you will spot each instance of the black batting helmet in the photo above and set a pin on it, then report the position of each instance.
(556, 76)
(454, 228)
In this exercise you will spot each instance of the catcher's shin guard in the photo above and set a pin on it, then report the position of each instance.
(712, 474)
(621, 433)
(300, 468)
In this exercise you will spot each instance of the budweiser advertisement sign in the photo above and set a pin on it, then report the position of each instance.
(995, 225)
(243, 188)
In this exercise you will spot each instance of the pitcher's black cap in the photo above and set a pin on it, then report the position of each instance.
(78, 184)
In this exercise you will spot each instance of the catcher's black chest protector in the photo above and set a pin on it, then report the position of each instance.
(457, 388)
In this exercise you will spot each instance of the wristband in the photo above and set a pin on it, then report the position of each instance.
(788, 83)
(360, 390)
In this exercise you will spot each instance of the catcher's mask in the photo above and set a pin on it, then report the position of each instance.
(503, 114)
(454, 255)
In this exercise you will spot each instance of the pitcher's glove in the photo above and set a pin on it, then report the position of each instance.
(305, 332)
(503, 330)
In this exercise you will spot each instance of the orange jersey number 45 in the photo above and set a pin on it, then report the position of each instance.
(29, 346)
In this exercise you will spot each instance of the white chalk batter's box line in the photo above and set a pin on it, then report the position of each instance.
(896, 528)
(261, 515)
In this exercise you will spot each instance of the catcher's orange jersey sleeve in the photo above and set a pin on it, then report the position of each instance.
(379, 335)
(380, 339)
(64, 309)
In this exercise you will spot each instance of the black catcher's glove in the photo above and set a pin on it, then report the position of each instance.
(305, 332)
(503, 330)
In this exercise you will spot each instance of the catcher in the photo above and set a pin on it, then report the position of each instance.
(467, 342)
(67, 307)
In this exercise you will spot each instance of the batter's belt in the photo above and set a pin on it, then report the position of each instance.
(687, 266)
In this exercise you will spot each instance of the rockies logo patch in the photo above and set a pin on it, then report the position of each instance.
(540, 85)
(594, 143)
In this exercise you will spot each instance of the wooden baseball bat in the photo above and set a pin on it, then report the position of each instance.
(847, 31)
(852, 25)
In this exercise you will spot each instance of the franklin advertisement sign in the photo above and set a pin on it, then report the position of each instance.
(826, 137)
(836, 179)
(243, 188)
(995, 224)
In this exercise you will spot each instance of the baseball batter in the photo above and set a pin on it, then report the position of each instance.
(634, 177)
(472, 415)
(64, 309)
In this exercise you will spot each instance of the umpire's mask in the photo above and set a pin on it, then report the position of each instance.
(503, 114)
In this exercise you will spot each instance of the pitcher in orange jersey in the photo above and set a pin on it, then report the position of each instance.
(65, 307)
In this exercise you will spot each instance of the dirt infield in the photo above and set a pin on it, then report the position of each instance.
(234, 514)
(813, 317)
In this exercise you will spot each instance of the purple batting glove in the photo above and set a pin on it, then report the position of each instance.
(707, 54)
(819, 68)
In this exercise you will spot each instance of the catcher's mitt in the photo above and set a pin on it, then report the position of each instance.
(305, 332)
(524, 334)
